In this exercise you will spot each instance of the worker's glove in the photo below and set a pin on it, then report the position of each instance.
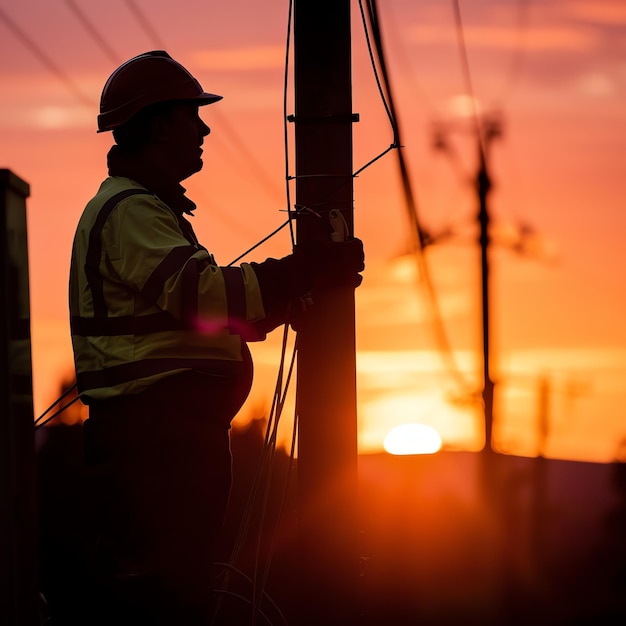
(286, 283)
(332, 264)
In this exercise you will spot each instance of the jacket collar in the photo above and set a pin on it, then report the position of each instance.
(169, 191)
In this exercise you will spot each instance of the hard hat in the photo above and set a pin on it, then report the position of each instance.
(147, 79)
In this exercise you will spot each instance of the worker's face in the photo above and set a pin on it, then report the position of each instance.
(182, 135)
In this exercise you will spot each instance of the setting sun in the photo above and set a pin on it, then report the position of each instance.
(413, 439)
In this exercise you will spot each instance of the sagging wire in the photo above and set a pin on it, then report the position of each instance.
(259, 589)
(246, 600)
(286, 120)
(467, 76)
(260, 489)
(39, 423)
(421, 238)
(45, 59)
(384, 97)
(144, 23)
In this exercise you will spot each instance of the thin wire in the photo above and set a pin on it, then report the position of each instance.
(232, 594)
(517, 60)
(258, 594)
(260, 242)
(93, 31)
(272, 545)
(49, 419)
(393, 146)
(254, 165)
(465, 68)
(445, 348)
(52, 67)
(286, 122)
(262, 477)
(229, 567)
(383, 96)
(143, 22)
(57, 401)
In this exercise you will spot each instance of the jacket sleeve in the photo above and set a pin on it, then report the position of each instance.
(148, 254)
(282, 282)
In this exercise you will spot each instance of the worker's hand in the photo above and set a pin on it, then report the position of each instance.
(332, 264)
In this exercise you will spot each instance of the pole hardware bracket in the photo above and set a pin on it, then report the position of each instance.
(324, 119)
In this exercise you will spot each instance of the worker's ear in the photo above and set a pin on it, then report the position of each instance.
(161, 127)
(163, 123)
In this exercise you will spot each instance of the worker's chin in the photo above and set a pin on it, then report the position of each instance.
(193, 169)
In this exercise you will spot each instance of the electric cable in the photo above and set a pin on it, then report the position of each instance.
(145, 25)
(259, 587)
(286, 120)
(39, 424)
(445, 349)
(467, 76)
(52, 67)
(519, 52)
(93, 31)
(57, 401)
(259, 490)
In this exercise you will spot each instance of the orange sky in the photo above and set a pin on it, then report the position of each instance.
(556, 72)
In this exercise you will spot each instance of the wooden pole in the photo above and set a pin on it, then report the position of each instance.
(326, 386)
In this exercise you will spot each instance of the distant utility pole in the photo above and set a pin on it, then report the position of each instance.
(485, 132)
(326, 387)
(483, 183)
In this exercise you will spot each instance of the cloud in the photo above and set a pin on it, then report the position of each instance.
(596, 84)
(538, 38)
(601, 11)
(45, 117)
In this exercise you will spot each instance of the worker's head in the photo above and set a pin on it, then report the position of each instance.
(153, 100)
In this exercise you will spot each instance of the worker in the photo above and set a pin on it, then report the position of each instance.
(159, 333)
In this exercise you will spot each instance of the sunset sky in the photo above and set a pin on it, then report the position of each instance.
(554, 73)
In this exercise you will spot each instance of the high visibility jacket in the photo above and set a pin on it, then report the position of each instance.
(147, 300)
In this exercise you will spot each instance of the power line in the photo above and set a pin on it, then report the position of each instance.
(93, 31)
(517, 60)
(143, 22)
(465, 69)
(445, 348)
(46, 60)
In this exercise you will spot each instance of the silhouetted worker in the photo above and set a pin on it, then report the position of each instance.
(159, 332)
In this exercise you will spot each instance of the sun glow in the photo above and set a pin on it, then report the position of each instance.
(412, 439)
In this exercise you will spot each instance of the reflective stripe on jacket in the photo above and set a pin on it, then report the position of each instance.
(146, 300)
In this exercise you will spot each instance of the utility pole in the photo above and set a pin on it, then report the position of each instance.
(484, 134)
(326, 386)
(496, 501)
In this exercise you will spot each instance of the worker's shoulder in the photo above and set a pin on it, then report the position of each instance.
(116, 189)
(117, 193)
